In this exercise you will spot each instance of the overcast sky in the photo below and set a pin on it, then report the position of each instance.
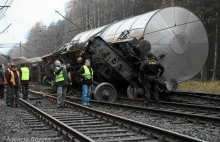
(23, 14)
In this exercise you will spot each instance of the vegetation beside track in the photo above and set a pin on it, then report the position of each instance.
(199, 86)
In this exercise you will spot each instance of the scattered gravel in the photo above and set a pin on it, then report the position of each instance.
(14, 129)
(206, 132)
(11, 125)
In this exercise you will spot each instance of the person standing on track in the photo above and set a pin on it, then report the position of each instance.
(86, 74)
(61, 82)
(2, 85)
(25, 78)
(13, 78)
(150, 70)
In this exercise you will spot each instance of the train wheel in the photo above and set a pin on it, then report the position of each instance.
(105, 92)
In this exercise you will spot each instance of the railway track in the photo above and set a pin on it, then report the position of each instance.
(196, 98)
(39, 130)
(212, 100)
(190, 108)
(209, 95)
(197, 113)
(102, 126)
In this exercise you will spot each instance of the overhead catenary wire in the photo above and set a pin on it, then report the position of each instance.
(3, 6)
(50, 19)
(6, 28)
(28, 25)
(67, 19)
(45, 36)
(3, 11)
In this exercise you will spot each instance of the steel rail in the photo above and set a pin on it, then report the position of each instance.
(184, 105)
(196, 117)
(196, 95)
(206, 109)
(160, 133)
(60, 126)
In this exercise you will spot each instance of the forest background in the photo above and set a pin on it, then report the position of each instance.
(82, 15)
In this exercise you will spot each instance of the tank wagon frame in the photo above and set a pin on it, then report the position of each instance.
(174, 35)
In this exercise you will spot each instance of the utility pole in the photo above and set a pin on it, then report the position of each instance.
(87, 17)
(35, 46)
(20, 49)
(145, 6)
(55, 46)
(133, 7)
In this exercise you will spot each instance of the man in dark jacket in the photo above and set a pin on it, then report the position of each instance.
(25, 76)
(61, 83)
(1, 82)
(13, 78)
(150, 70)
(86, 74)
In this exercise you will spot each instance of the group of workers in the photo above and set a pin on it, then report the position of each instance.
(62, 81)
(150, 71)
(15, 79)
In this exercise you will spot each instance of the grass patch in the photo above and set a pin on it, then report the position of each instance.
(198, 86)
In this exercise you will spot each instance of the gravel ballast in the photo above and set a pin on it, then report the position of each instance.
(205, 132)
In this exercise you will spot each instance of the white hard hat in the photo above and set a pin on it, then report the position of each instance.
(57, 63)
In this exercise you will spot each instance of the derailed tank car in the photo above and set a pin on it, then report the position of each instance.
(174, 35)
(3, 60)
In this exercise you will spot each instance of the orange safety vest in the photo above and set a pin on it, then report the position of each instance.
(69, 75)
(5, 81)
(13, 77)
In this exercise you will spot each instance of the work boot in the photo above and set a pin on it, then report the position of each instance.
(146, 104)
(147, 97)
(9, 105)
(59, 106)
(63, 106)
(156, 96)
(89, 105)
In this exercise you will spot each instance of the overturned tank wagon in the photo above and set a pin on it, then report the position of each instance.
(19, 60)
(3, 60)
(175, 36)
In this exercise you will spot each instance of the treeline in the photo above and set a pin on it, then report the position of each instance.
(82, 15)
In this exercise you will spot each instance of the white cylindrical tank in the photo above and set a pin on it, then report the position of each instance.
(173, 31)
(3, 60)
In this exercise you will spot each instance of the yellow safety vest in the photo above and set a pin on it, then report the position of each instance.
(59, 77)
(87, 74)
(25, 73)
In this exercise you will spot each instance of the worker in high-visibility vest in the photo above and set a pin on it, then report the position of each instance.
(86, 73)
(25, 77)
(2, 78)
(13, 88)
(61, 82)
